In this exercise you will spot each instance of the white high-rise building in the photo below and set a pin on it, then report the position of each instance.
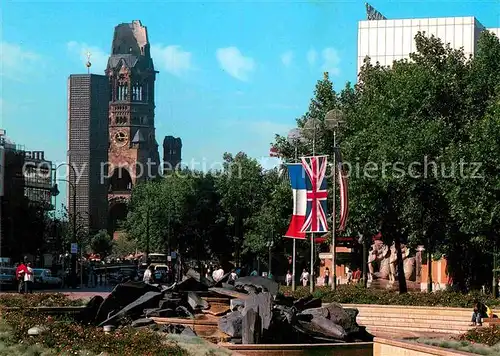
(385, 41)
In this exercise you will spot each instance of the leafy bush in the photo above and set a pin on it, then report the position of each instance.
(64, 336)
(356, 294)
(38, 300)
(488, 335)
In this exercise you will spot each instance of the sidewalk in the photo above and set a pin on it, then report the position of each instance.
(84, 293)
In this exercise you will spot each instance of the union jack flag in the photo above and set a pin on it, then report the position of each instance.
(315, 168)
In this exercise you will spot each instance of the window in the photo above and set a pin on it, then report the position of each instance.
(121, 120)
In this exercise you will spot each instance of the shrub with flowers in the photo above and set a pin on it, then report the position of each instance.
(38, 300)
(488, 335)
(63, 335)
(356, 294)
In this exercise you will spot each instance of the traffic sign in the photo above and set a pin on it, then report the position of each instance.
(74, 248)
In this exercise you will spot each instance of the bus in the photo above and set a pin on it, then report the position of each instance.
(157, 258)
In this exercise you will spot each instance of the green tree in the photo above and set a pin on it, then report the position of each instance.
(241, 194)
(401, 125)
(123, 246)
(157, 210)
(101, 243)
(269, 223)
(204, 234)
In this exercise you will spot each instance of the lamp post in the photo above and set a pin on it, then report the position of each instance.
(55, 192)
(333, 118)
(81, 253)
(312, 124)
(269, 245)
(147, 219)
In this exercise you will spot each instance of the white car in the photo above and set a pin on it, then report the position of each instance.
(44, 278)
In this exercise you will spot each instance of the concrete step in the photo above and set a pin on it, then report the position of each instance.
(417, 316)
(406, 310)
(423, 326)
(450, 318)
(412, 307)
(399, 329)
(365, 319)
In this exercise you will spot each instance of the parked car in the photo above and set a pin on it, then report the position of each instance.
(160, 272)
(44, 278)
(7, 277)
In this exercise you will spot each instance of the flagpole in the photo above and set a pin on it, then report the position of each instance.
(311, 284)
(294, 240)
(333, 247)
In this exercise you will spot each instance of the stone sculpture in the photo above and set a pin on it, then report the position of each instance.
(383, 263)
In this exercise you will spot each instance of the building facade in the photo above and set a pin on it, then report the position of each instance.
(25, 199)
(172, 153)
(385, 40)
(37, 173)
(88, 100)
(133, 149)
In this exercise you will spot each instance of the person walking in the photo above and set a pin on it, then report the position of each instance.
(148, 275)
(327, 276)
(288, 278)
(349, 276)
(218, 274)
(21, 270)
(29, 279)
(232, 277)
(304, 277)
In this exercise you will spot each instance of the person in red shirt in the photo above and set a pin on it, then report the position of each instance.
(21, 270)
(356, 275)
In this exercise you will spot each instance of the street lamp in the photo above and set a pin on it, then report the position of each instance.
(147, 220)
(81, 249)
(55, 192)
(333, 119)
(269, 245)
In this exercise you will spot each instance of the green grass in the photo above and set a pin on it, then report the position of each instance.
(464, 346)
(196, 346)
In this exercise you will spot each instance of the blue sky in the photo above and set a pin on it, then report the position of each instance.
(232, 74)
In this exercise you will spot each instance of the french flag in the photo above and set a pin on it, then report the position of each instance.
(297, 176)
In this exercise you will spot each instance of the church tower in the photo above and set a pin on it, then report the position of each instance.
(133, 149)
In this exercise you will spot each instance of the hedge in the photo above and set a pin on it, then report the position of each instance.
(356, 294)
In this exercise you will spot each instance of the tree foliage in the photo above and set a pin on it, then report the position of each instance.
(407, 131)
(101, 243)
(123, 246)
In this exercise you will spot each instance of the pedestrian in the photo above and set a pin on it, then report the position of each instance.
(327, 276)
(29, 279)
(304, 277)
(21, 270)
(148, 275)
(232, 277)
(356, 276)
(218, 274)
(288, 278)
(349, 276)
(480, 311)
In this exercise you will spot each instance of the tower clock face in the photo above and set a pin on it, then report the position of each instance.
(121, 138)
